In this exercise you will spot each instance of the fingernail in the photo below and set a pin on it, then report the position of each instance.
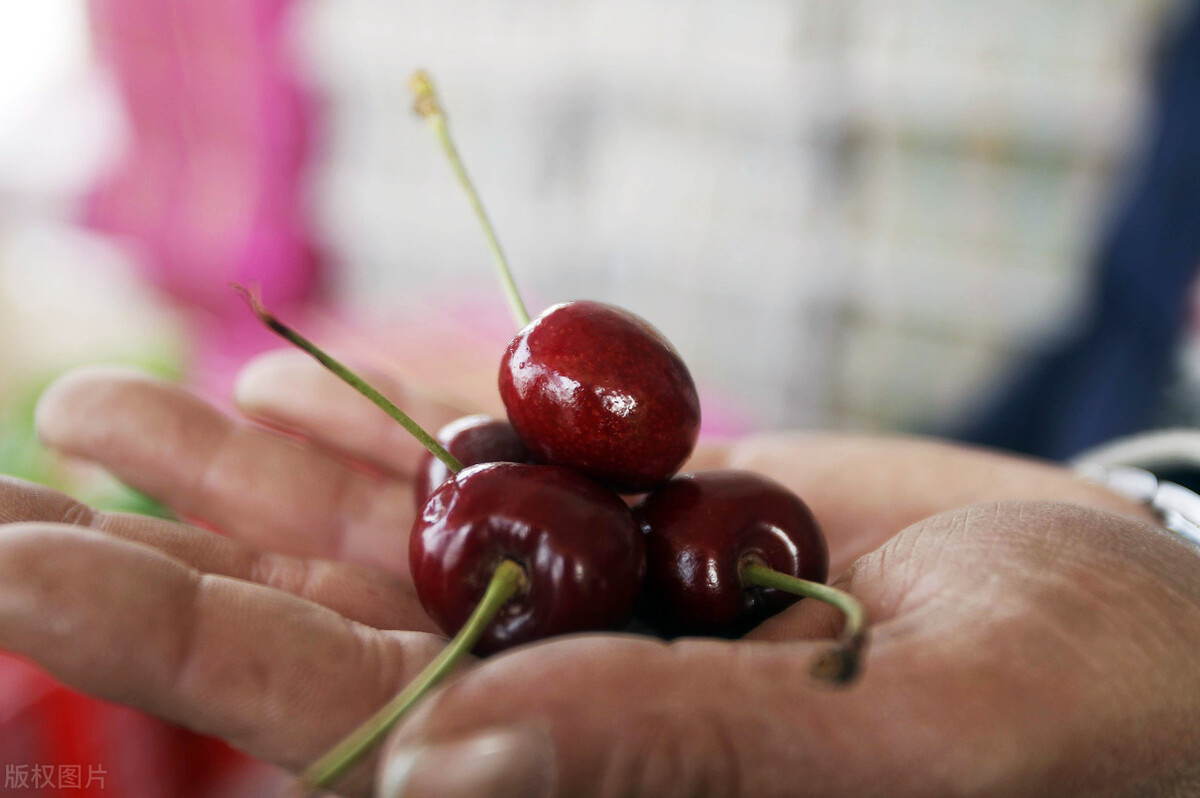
(507, 764)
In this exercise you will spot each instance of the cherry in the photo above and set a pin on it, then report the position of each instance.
(501, 554)
(586, 385)
(472, 440)
(726, 549)
(701, 527)
(580, 548)
(596, 388)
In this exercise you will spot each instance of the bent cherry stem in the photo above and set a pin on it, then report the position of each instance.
(839, 665)
(349, 377)
(508, 581)
(426, 104)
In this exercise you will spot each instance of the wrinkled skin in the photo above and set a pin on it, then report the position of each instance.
(1034, 635)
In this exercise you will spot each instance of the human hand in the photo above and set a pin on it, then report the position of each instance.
(1019, 648)
(292, 511)
(610, 711)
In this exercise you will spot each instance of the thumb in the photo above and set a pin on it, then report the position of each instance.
(593, 716)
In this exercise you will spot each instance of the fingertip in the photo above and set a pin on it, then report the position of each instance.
(65, 406)
(288, 390)
(258, 384)
(502, 763)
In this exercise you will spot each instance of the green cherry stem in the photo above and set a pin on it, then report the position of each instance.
(508, 581)
(426, 104)
(839, 665)
(349, 377)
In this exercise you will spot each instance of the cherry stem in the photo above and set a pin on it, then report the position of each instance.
(426, 104)
(349, 377)
(840, 665)
(508, 580)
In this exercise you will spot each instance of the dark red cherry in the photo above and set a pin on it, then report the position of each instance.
(472, 440)
(577, 541)
(702, 528)
(597, 389)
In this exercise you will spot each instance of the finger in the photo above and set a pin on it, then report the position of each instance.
(277, 676)
(963, 558)
(364, 595)
(600, 717)
(864, 489)
(288, 390)
(258, 486)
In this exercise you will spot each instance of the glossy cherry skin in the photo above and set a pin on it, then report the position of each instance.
(701, 527)
(597, 389)
(581, 549)
(472, 440)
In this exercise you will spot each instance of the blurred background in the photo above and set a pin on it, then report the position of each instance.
(852, 214)
(843, 213)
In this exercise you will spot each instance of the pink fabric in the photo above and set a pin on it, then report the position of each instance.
(209, 188)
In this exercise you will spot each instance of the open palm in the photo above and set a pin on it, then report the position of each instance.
(284, 633)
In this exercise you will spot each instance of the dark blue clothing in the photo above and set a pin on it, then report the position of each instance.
(1110, 377)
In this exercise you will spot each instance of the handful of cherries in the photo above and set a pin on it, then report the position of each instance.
(520, 532)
